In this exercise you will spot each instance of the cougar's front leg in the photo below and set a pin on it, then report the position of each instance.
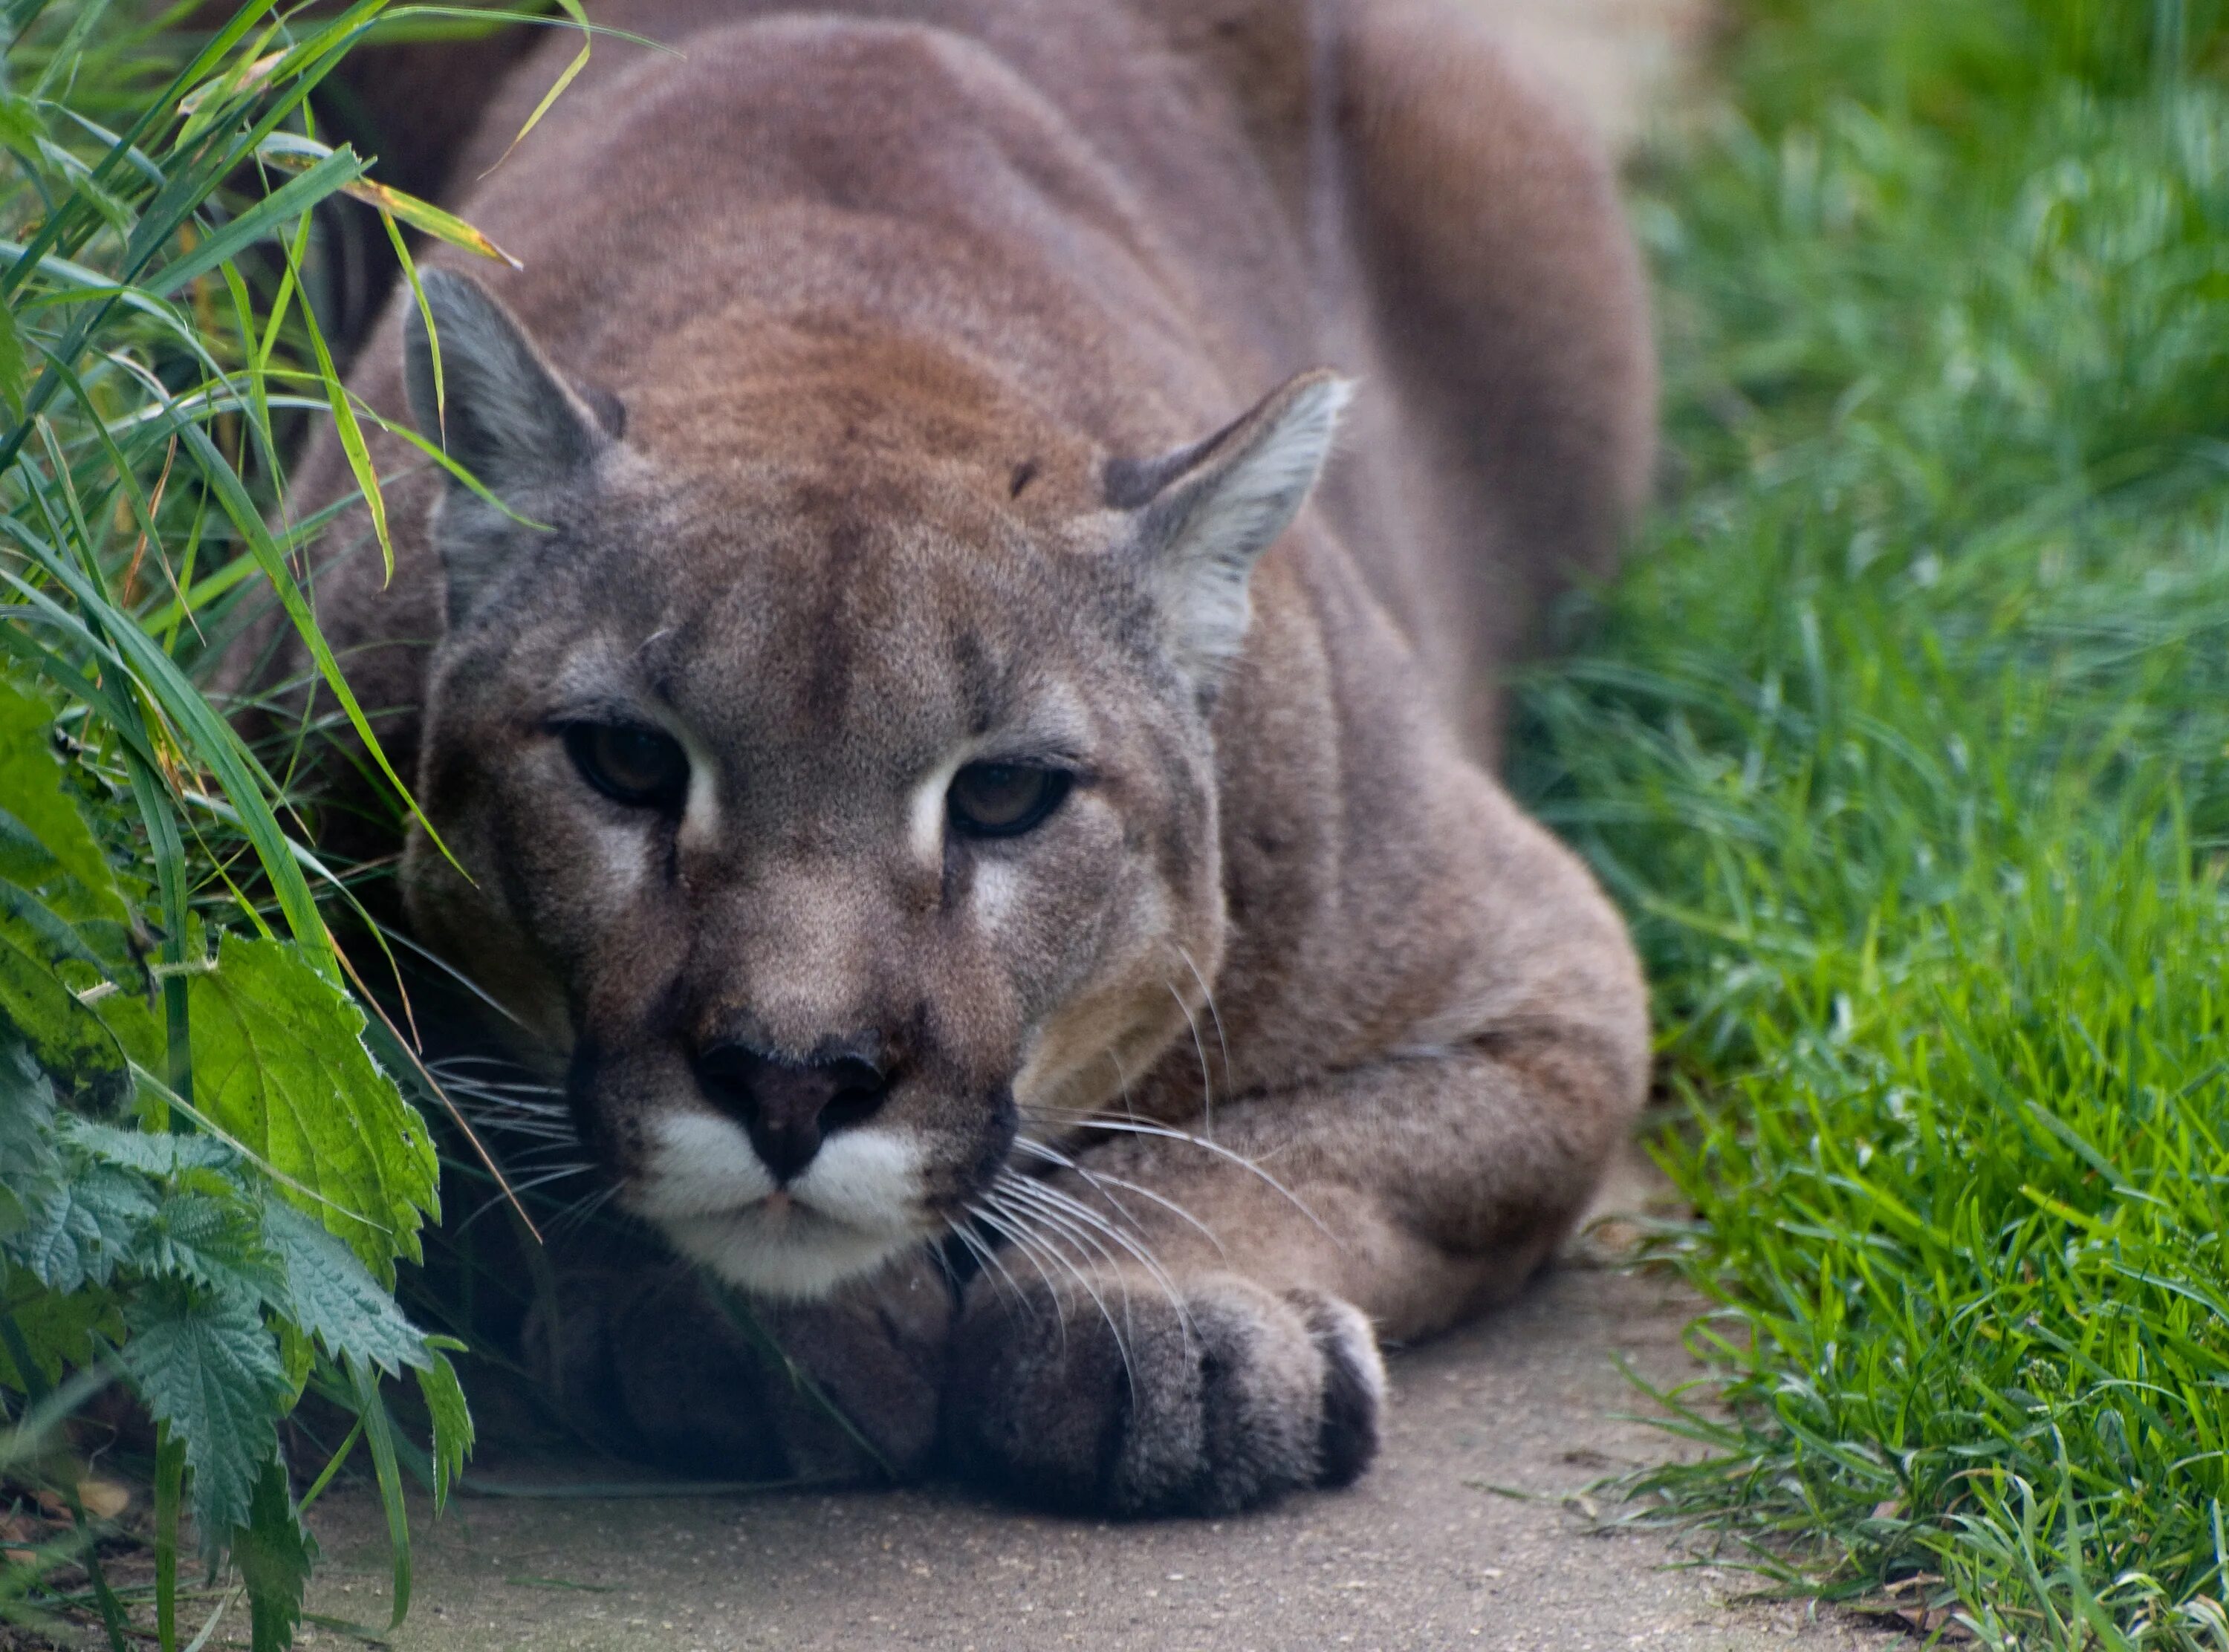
(1181, 1327)
(649, 1359)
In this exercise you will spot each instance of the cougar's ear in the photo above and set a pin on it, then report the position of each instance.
(1205, 514)
(504, 414)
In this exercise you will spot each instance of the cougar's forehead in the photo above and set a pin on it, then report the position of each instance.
(852, 627)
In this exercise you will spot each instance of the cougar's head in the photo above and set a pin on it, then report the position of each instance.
(828, 767)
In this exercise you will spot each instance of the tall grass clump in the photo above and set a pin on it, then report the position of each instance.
(208, 1172)
(1905, 743)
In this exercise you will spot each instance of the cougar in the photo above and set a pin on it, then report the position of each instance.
(958, 710)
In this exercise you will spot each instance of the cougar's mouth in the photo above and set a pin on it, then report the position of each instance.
(857, 1202)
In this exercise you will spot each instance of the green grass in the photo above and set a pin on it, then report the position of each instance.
(208, 1172)
(1905, 742)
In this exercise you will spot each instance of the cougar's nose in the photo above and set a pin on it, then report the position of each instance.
(788, 1107)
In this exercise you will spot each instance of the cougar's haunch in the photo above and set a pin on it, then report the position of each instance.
(1004, 863)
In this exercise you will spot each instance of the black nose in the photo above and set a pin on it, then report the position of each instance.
(788, 1107)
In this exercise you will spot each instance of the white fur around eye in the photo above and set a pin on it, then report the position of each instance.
(998, 886)
(925, 810)
(700, 809)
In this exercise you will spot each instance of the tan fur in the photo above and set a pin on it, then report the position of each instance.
(904, 307)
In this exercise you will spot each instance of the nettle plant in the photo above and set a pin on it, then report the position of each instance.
(209, 1172)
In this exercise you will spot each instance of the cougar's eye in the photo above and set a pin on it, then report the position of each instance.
(1005, 799)
(631, 765)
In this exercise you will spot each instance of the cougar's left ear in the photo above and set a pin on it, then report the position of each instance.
(499, 408)
(1205, 513)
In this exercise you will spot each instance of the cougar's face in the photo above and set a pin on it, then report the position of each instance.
(826, 828)
(827, 805)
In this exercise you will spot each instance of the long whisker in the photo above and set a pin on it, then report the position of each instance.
(1138, 1127)
(1035, 1224)
(451, 971)
(985, 1262)
(1057, 1207)
(580, 1211)
(1207, 993)
(1017, 1227)
(1101, 1180)
(1206, 1084)
(989, 1255)
(559, 1173)
(1020, 1197)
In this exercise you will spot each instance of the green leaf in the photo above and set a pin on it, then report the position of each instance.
(453, 1418)
(15, 370)
(209, 1367)
(90, 1227)
(274, 1552)
(55, 845)
(61, 1329)
(69, 1039)
(213, 1242)
(152, 1153)
(329, 1293)
(280, 1064)
(30, 1170)
(379, 1435)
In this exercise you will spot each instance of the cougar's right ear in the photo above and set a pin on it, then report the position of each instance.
(503, 412)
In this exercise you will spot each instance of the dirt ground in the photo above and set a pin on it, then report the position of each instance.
(1475, 1528)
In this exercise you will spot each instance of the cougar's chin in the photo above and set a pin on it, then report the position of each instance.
(783, 1249)
(855, 1206)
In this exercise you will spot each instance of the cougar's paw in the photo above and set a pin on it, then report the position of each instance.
(650, 1363)
(1202, 1403)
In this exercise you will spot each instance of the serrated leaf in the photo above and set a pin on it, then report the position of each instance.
(453, 1418)
(274, 1554)
(70, 1042)
(54, 852)
(30, 1169)
(210, 1241)
(154, 1153)
(61, 1329)
(209, 1367)
(280, 1064)
(86, 1230)
(328, 1293)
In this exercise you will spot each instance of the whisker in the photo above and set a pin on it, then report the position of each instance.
(1015, 1226)
(451, 971)
(1056, 1206)
(1101, 1180)
(1206, 1084)
(989, 1258)
(557, 1173)
(580, 1211)
(1138, 1127)
(1054, 1248)
(1207, 993)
